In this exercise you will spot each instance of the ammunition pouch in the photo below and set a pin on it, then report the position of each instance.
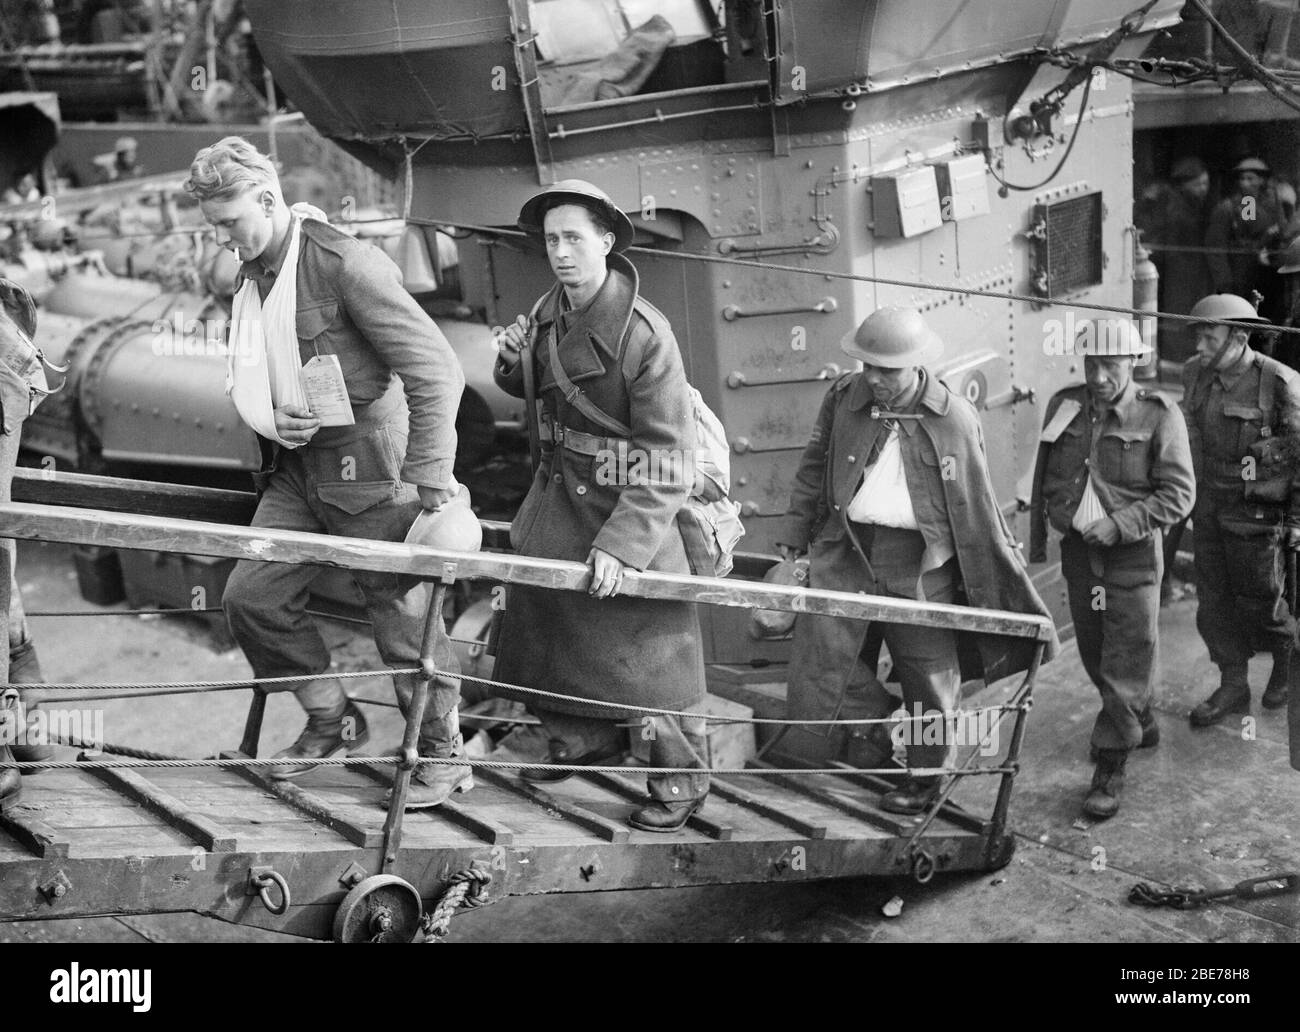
(1273, 472)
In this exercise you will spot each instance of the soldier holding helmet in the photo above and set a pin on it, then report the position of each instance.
(1114, 469)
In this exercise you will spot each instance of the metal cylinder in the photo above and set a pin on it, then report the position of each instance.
(1146, 281)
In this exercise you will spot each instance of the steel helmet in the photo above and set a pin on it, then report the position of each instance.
(452, 526)
(1251, 164)
(1187, 168)
(18, 305)
(575, 191)
(1110, 338)
(1218, 307)
(1290, 257)
(893, 337)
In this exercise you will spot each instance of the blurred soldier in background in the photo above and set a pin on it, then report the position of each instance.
(1174, 218)
(1241, 228)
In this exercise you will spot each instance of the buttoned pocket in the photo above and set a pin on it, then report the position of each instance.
(1066, 454)
(355, 498)
(1249, 419)
(314, 319)
(1125, 453)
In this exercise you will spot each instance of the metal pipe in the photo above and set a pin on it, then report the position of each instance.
(741, 446)
(414, 718)
(1024, 696)
(826, 305)
(561, 133)
(737, 379)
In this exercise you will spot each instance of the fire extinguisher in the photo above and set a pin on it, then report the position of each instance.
(1146, 279)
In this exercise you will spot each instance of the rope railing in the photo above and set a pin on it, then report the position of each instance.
(198, 686)
(251, 763)
(202, 610)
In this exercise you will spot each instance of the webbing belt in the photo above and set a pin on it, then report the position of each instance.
(577, 441)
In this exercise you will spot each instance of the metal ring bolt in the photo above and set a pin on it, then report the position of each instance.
(264, 883)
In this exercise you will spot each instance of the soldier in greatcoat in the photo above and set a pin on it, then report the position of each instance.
(893, 498)
(601, 353)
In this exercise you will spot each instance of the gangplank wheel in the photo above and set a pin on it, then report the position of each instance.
(381, 908)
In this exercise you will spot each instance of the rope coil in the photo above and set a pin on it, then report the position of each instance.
(465, 890)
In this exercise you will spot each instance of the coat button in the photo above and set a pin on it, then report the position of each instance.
(836, 508)
(558, 478)
(582, 489)
(853, 458)
(675, 790)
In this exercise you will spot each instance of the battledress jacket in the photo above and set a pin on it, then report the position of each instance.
(993, 574)
(622, 353)
(351, 303)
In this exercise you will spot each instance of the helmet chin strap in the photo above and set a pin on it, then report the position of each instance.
(1223, 349)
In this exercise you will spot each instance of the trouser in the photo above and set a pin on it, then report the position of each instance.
(674, 742)
(1239, 583)
(1115, 605)
(925, 658)
(266, 603)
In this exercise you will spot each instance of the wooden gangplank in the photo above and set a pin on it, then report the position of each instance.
(151, 840)
(112, 840)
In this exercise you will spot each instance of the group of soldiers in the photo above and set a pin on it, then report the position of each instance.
(892, 497)
(1118, 464)
(1246, 243)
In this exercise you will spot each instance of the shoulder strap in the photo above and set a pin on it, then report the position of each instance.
(1201, 390)
(530, 388)
(1267, 392)
(574, 396)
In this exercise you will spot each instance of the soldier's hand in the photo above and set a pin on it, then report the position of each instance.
(295, 424)
(1291, 538)
(434, 498)
(511, 340)
(1103, 532)
(606, 574)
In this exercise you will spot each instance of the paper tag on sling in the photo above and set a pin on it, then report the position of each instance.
(327, 394)
(1065, 413)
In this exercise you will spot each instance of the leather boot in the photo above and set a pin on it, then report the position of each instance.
(433, 783)
(1232, 696)
(11, 781)
(1107, 783)
(914, 796)
(1150, 733)
(1150, 729)
(25, 668)
(664, 818)
(334, 723)
(868, 747)
(1275, 694)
